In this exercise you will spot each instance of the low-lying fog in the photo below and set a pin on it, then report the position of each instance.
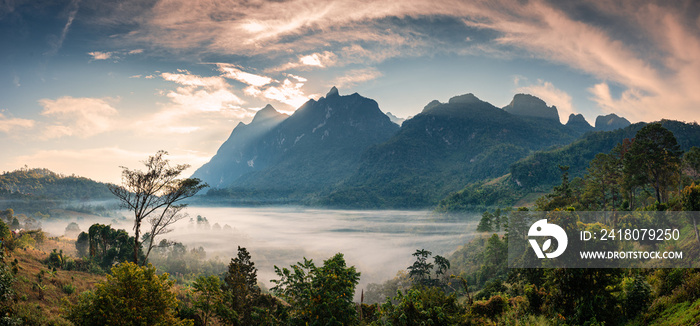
(377, 242)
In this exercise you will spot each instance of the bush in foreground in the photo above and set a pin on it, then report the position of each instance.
(131, 295)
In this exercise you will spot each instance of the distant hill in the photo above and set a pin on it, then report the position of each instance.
(237, 156)
(578, 122)
(539, 172)
(44, 184)
(610, 122)
(530, 106)
(447, 146)
(315, 148)
(542, 168)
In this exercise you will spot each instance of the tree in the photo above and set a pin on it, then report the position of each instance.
(209, 297)
(420, 270)
(690, 198)
(319, 295)
(485, 224)
(655, 157)
(154, 195)
(240, 286)
(423, 306)
(105, 245)
(131, 295)
(691, 162)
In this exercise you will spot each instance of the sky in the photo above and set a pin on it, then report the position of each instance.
(89, 86)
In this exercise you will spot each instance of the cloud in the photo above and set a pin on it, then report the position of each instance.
(96, 55)
(357, 76)
(232, 72)
(551, 95)
(196, 102)
(185, 78)
(57, 43)
(81, 117)
(654, 76)
(288, 92)
(656, 64)
(314, 60)
(9, 125)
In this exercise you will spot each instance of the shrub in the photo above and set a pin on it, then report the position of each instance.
(68, 288)
(132, 295)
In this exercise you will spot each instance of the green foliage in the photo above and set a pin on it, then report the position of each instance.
(539, 170)
(584, 295)
(319, 295)
(105, 245)
(691, 162)
(655, 158)
(492, 222)
(637, 296)
(68, 288)
(490, 308)
(209, 297)
(421, 272)
(7, 280)
(422, 306)
(131, 295)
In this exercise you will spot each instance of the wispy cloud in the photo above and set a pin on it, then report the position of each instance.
(196, 102)
(57, 43)
(232, 72)
(82, 117)
(287, 92)
(357, 76)
(8, 125)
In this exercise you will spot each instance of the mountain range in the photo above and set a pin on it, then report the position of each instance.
(310, 151)
(342, 150)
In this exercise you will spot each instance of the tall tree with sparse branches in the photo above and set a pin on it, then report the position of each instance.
(153, 195)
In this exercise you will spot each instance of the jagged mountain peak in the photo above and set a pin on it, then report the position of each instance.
(266, 113)
(333, 92)
(577, 118)
(578, 123)
(531, 106)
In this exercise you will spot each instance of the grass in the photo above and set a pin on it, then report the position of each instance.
(683, 313)
(45, 291)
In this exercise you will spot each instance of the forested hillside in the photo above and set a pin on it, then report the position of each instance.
(540, 170)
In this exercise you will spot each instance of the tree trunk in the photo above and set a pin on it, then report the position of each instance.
(658, 194)
(136, 244)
